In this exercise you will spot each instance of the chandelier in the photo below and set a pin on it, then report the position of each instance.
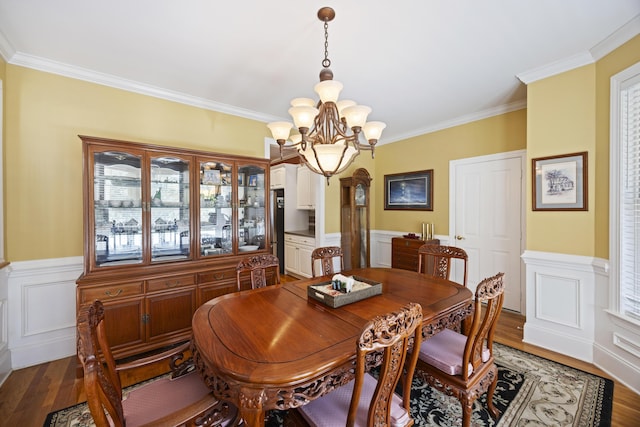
(329, 130)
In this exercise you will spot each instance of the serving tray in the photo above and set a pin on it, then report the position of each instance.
(362, 288)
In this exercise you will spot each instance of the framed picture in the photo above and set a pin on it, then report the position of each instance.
(409, 191)
(560, 182)
(211, 177)
(253, 180)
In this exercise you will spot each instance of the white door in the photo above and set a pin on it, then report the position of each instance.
(486, 218)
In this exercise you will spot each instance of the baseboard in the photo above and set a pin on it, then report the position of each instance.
(618, 368)
(557, 341)
(5, 365)
(44, 351)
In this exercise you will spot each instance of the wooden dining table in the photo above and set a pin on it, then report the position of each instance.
(275, 348)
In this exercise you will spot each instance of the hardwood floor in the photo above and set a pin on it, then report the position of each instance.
(29, 394)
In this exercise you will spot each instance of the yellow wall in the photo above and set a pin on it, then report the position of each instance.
(506, 132)
(561, 120)
(569, 113)
(43, 154)
(618, 60)
(44, 113)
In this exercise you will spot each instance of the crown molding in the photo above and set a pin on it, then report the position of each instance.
(617, 39)
(6, 49)
(66, 70)
(606, 46)
(462, 120)
(556, 67)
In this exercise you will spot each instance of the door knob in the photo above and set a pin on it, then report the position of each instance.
(459, 238)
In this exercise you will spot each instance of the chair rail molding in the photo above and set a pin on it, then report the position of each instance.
(41, 315)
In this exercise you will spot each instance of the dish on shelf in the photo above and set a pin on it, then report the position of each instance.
(248, 248)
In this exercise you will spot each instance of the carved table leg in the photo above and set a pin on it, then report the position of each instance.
(251, 406)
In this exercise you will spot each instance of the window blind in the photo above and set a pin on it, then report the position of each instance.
(630, 200)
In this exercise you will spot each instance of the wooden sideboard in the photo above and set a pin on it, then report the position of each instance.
(404, 252)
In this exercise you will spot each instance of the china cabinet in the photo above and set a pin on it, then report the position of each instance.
(354, 219)
(164, 229)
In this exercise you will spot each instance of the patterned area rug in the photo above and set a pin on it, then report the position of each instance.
(532, 391)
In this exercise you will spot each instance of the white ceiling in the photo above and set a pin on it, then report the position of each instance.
(421, 65)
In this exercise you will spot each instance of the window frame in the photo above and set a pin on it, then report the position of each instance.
(619, 83)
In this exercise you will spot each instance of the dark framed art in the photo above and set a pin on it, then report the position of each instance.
(560, 182)
(409, 191)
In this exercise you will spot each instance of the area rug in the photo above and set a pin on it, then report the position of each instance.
(531, 391)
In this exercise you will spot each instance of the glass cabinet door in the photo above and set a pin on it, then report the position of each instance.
(251, 208)
(169, 207)
(117, 204)
(216, 198)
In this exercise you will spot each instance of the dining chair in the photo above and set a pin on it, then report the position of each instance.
(436, 260)
(366, 401)
(257, 266)
(179, 399)
(326, 255)
(463, 366)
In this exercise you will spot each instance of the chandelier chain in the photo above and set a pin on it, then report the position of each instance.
(326, 62)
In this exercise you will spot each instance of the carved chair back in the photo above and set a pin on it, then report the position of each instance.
(384, 341)
(392, 333)
(326, 256)
(436, 260)
(463, 366)
(257, 266)
(153, 403)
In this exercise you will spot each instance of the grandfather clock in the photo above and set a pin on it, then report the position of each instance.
(354, 219)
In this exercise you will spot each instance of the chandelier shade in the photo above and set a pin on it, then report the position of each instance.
(328, 138)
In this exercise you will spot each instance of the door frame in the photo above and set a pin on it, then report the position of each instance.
(518, 154)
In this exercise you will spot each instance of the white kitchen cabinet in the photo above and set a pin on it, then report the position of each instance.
(306, 189)
(297, 254)
(278, 177)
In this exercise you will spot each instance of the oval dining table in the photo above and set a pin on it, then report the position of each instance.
(274, 348)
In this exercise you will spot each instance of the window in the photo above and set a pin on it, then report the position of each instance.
(625, 191)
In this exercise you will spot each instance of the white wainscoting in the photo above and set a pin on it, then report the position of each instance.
(42, 310)
(38, 306)
(569, 311)
(561, 293)
(5, 353)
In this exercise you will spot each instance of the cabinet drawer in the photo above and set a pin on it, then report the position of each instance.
(170, 282)
(105, 293)
(300, 240)
(213, 276)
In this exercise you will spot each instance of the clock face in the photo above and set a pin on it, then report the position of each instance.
(361, 197)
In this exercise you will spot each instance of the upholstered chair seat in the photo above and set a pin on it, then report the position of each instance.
(445, 351)
(149, 404)
(367, 401)
(332, 409)
(462, 365)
